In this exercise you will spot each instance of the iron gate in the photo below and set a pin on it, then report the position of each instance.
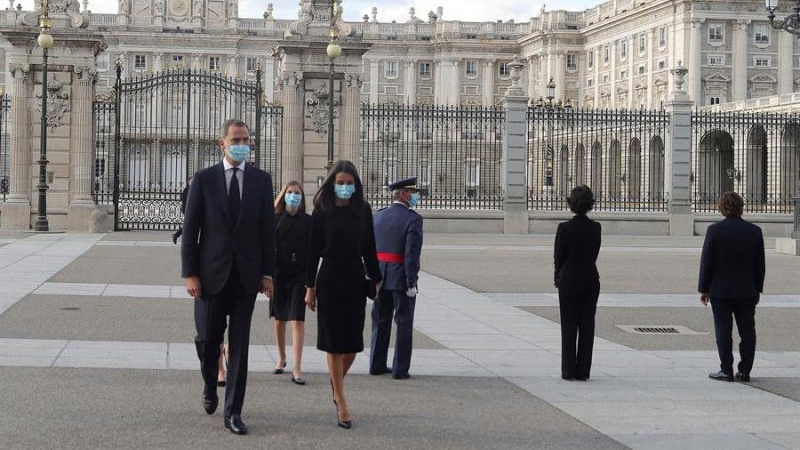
(165, 127)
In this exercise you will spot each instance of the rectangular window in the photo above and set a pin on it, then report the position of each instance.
(662, 37)
(642, 43)
(662, 64)
(590, 60)
(473, 175)
(213, 63)
(425, 70)
(251, 63)
(761, 34)
(177, 61)
(606, 55)
(471, 69)
(715, 32)
(623, 49)
(425, 174)
(716, 60)
(606, 78)
(761, 61)
(390, 69)
(102, 61)
(642, 70)
(713, 100)
(572, 61)
(140, 62)
(505, 70)
(589, 82)
(623, 74)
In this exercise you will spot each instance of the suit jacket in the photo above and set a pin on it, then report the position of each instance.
(732, 264)
(576, 249)
(398, 230)
(210, 244)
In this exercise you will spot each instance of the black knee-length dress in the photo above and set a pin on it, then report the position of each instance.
(344, 239)
(292, 235)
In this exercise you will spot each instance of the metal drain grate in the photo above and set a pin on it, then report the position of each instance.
(657, 329)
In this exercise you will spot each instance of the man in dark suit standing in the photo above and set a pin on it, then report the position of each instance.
(732, 277)
(227, 255)
(398, 240)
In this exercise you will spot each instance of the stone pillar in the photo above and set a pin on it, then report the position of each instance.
(740, 63)
(597, 64)
(786, 60)
(158, 62)
(374, 81)
(81, 207)
(455, 84)
(411, 82)
(233, 66)
(651, 90)
(488, 84)
(612, 54)
(269, 79)
(437, 83)
(696, 62)
(533, 91)
(292, 158)
(561, 75)
(678, 164)
(16, 211)
(515, 206)
(351, 119)
(631, 95)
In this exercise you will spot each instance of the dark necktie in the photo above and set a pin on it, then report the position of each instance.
(234, 198)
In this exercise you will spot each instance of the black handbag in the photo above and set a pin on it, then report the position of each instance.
(370, 289)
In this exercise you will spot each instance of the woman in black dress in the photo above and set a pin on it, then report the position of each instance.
(578, 282)
(342, 235)
(292, 232)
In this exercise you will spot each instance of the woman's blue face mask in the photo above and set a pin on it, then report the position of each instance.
(292, 199)
(344, 191)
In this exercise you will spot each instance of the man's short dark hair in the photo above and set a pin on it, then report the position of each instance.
(233, 123)
(581, 199)
(731, 204)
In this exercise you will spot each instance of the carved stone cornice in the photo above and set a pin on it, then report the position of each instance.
(353, 80)
(20, 70)
(86, 73)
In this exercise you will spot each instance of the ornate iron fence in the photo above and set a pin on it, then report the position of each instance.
(166, 127)
(5, 145)
(455, 153)
(620, 154)
(754, 154)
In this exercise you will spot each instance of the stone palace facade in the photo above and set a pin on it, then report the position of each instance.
(615, 55)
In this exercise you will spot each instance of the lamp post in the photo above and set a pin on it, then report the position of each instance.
(333, 50)
(45, 41)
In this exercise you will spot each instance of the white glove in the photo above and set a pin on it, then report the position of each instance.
(411, 292)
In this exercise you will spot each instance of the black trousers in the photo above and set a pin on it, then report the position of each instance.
(744, 310)
(577, 311)
(391, 302)
(210, 312)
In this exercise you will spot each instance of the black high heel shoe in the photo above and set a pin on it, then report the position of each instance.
(279, 370)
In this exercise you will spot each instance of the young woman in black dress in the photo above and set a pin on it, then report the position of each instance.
(342, 235)
(292, 233)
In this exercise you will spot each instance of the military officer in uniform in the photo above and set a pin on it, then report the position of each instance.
(398, 239)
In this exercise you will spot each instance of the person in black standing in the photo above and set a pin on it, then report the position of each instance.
(732, 273)
(228, 257)
(342, 236)
(578, 281)
(183, 196)
(292, 233)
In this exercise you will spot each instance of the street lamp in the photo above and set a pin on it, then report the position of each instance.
(45, 41)
(790, 23)
(333, 50)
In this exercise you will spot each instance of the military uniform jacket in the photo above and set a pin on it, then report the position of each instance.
(398, 236)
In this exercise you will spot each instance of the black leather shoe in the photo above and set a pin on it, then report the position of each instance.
(720, 376)
(210, 401)
(346, 424)
(235, 424)
(401, 376)
(743, 377)
(380, 372)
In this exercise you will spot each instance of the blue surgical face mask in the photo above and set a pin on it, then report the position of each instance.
(292, 199)
(414, 201)
(239, 153)
(344, 191)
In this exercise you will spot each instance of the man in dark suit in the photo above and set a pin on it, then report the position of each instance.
(732, 277)
(398, 240)
(227, 255)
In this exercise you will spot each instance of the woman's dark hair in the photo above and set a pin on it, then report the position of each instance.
(581, 199)
(280, 200)
(326, 197)
(731, 204)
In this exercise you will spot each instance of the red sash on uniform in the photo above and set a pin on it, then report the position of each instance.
(391, 257)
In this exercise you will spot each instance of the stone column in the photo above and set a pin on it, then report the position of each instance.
(533, 91)
(612, 54)
(597, 64)
(292, 158)
(631, 96)
(158, 64)
(561, 75)
(81, 206)
(351, 119)
(488, 84)
(678, 164)
(696, 62)
(455, 84)
(740, 62)
(411, 82)
(16, 211)
(651, 90)
(233, 66)
(269, 79)
(437, 83)
(543, 80)
(786, 59)
(515, 207)
(374, 81)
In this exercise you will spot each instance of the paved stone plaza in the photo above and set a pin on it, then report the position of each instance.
(96, 351)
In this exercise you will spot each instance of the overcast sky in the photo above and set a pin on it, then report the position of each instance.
(388, 10)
